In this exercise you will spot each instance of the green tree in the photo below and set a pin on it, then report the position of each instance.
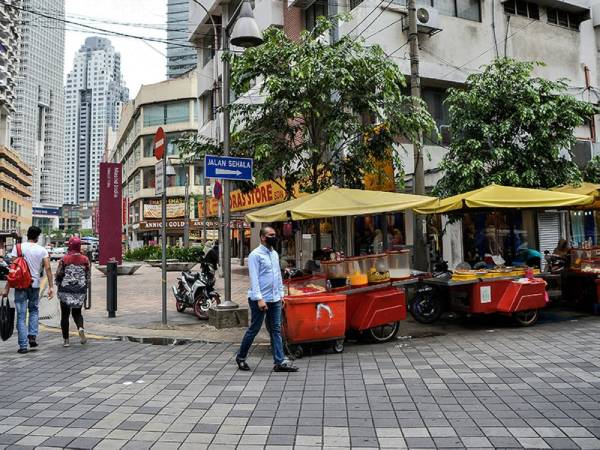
(328, 113)
(511, 128)
(592, 170)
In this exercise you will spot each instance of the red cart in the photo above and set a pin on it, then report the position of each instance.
(313, 314)
(517, 297)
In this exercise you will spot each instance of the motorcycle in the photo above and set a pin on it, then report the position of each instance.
(4, 269)
(197, 289)
(427, 305)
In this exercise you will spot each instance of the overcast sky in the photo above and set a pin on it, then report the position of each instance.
(140, 63)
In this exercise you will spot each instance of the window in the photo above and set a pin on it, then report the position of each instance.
(463, 9)
(148, 177)
(179, 178)
(167, 113)
(522, 8)
(147, 145)
(207, 108)
(563, 18)
(314, 11)
(439, 111)
(198, 175)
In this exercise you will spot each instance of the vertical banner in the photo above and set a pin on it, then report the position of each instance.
(110, 213)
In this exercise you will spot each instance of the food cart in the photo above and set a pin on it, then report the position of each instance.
(356, 295)
(580, 279)
(513, 291)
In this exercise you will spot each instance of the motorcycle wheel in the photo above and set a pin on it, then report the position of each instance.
(383, 333)
(426, 307)
(180, 306)
(200, 309)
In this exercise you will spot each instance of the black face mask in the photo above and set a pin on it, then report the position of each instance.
(271, 241)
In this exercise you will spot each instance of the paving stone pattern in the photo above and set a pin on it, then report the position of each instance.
(512, 388)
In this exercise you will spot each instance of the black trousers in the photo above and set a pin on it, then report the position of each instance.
(64, 318)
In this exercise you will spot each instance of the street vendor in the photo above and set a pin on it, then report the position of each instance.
(265, 301)
(527, 256)
(562, 248)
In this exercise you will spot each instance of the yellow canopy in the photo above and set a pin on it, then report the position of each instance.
(336, 202)
(496, 196)
(584, 189)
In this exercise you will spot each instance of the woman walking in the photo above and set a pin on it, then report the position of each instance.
(72, 279)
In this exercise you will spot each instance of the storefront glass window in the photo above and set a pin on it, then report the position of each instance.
(148, 177)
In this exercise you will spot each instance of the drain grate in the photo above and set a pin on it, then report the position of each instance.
(155, 340)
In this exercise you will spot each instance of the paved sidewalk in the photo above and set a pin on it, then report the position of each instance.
(512, 388)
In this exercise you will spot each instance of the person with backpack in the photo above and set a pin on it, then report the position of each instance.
(29, 259)
(72, 278)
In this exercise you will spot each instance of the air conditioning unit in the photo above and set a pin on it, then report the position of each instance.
(428, 20)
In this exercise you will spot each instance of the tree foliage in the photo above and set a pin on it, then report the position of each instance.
(511, 128)
(592, 170)
(329, 113)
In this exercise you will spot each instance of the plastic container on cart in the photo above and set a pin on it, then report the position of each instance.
(590, 265)
(306, 285)
(356, 269)
(314, 318)
(335, 273)
(399, 264)
(378, 268)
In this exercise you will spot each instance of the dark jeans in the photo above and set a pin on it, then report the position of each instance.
(64, 318)
(273, 315)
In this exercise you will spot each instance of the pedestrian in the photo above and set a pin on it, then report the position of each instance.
(264, 299)
(28, 299)
(72, 278)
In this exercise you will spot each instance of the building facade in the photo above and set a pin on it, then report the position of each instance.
(181, 56)
(38, 127)
(15, 193)
(171, 105)
(10, 18)
(94, 94)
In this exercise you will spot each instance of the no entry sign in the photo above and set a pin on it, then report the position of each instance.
(159, 143)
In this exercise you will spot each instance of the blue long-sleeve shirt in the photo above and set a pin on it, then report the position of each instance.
(265, 275)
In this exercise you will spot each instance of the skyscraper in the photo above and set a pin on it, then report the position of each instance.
(38, 126)
(179, 58)
(9, 64)
(93, 96)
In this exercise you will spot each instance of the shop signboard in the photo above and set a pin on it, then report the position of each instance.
(175, 208)
(109, 213)
(265, 194)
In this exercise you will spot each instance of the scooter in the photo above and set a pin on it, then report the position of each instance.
(197, 289)
(427, 305)
(4, 269)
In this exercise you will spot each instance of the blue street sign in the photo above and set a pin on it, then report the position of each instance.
(228, 168)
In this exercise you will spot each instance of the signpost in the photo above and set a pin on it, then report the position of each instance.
(228, 168)
(161, 189)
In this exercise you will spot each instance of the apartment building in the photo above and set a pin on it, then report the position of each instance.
(10, 17)
(170, 104)
(15, 193)
(94, 93)
(38, 126)
(181, 56)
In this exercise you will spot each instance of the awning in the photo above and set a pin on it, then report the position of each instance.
(583, 189)
(337, 202)
(496, 196)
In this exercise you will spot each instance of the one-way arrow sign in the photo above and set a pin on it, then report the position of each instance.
(228, 168)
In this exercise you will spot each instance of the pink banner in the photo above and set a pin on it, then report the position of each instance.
(109, 213)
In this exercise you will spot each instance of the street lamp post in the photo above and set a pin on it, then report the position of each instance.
(244, 33)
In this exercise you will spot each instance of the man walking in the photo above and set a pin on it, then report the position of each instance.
(264, 298)
(26, 299)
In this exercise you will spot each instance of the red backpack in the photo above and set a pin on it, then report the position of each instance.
(19, 276)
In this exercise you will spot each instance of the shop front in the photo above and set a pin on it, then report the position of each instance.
(147, 232)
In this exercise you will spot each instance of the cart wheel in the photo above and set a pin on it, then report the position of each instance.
(297, 352)
(426, 306)
(180, 306)
(526, 318)
(338, 346)
(383, 333)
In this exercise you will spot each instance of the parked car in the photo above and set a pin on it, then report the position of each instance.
(57, 253)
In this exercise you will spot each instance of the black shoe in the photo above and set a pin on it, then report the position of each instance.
(22, 351)
(242, 365)
(285, 366)
(32, 342)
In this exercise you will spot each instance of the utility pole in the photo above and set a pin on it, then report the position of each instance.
(419, 174)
